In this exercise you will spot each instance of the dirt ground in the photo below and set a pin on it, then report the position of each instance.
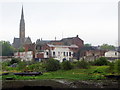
(55, 83)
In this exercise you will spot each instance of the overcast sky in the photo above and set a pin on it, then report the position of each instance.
(95, 21)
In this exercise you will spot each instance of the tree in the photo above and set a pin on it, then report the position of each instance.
(107, 47)
(15, 60)
(101, 61)
(66, 65)
(83, 64)
(117, 66)
(21, 49)
(52, 65)
(87, 45)
(7, 49)
(111, 67)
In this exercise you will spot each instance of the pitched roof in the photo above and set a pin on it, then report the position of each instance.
(16, 42)
(28, 40)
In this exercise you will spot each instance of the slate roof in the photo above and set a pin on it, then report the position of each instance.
(17, 44)
(28, 40)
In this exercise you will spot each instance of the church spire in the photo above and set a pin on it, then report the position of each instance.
(22, 28)
(22, 14)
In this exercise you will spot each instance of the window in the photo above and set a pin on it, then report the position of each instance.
(69, 53)
(53, 53)
(47, 53)
(64, 53)
(115, 53)
(58, 53)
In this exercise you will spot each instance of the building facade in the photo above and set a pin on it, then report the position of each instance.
(91, 55)
(112, 55)
(58, 52)
(24, 56)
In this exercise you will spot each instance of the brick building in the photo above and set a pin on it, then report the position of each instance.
(59, 52)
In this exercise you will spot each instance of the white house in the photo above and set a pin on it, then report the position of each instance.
(112, 54)
(60, 52)
(27, 56)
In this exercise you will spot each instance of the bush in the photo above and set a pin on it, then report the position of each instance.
(15, 60)
(52, 65)
(101, 70)
(111, 67)
(117, 66)
(39, 67)
(101, 61)
(66, 65)
(83, 64)
(22, 66)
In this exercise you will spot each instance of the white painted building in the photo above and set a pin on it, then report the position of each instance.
(60, 52)
(112, 54)
(27, 56)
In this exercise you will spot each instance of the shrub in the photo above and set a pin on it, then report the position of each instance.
(101, 70)
(83, 64)
(66, 65)
(14, 60)
(39, 67)
(22, 65)
(52, 65)
(111, 67)
(101, 61)
(117, 66)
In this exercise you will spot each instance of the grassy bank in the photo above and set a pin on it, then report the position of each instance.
(94, 72)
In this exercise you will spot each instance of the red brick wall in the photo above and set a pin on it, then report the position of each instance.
(40, 55)
(78, 42)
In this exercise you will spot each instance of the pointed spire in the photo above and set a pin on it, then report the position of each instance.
(22, 14)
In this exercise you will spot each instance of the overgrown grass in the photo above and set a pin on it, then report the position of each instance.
(95, 72)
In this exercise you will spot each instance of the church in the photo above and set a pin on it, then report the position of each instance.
(22, 40)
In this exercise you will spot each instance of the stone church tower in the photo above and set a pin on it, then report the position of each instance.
(22, 40)
(22, 28)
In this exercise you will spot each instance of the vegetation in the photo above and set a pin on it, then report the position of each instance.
(21, 49)
(87, 45)
(73, 74)
(52, 65)
(101, 61)
(7, 49)
(107, 47)
(52, 69)
(117, 66)
(66, 65)
(83, 64)
(14, 60)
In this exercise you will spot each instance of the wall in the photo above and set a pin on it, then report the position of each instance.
(112, 54)
(27, 56)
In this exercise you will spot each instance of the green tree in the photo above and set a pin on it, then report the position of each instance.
(107, 47)
(111, 67)
(87, 45)
(52, 65)
(101, 61)
(22, 66)
(7, 49)
(21, 49)
(83, 64)
(66, 65)
(117, 66)
(15, 60)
